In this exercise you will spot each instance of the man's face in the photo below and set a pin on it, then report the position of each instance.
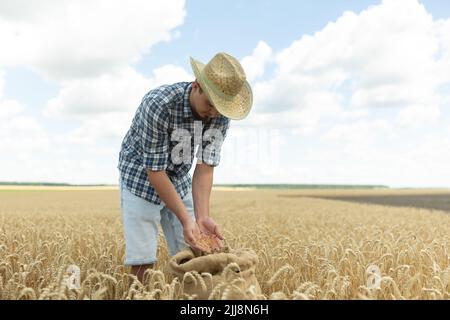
(203, 109)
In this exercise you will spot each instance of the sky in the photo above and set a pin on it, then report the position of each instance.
(345, 92)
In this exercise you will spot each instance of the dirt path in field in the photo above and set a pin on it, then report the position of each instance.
(427, 201)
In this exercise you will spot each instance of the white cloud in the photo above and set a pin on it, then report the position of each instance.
(421, 163)
(89, 48)
(252, 155)
(389, 55)
(77, 39)
(362, 132)
(9, 108)
(106, 104)
(2, 82)
(22, 133)
(17, 131)
(112, 92)
(418, 115)
(93, 130)
(121, 91)
(368, 152)
(442, 31)
(255, 64)
(168, 74)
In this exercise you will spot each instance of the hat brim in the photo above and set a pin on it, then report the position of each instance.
(235, 108)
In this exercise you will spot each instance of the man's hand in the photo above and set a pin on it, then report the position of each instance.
(211, 236)
(191, 233)
(208, 226)
(209, 243)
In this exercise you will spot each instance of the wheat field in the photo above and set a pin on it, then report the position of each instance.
(308, 247)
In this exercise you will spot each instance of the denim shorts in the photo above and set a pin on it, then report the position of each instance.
(141, 219)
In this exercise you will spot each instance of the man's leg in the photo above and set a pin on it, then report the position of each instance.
(139, 270)
(140, 224)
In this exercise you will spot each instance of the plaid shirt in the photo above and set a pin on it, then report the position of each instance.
(149, 143)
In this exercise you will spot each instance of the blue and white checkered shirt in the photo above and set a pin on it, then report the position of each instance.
(151, 141)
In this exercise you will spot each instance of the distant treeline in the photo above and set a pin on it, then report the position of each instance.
(50, 184)
(302, 186)
(257, 186)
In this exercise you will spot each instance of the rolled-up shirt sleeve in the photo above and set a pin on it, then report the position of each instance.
(155, 136)
(214, 135)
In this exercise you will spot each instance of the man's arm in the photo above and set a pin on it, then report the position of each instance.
(167, 193)
(202, 182)
(209, 157)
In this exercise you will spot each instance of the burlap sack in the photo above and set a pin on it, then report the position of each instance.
(216, 273)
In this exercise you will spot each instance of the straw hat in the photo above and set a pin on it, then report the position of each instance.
(224, 82)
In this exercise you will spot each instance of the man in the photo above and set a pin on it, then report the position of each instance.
(155, 187)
